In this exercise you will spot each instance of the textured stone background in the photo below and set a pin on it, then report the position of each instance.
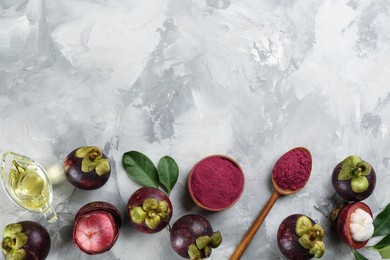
(247, 78)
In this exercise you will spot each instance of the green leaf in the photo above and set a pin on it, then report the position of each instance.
(141, 168)
(385, 252)
(358, 256)
(383, 247)
(168, 172)
(382, 222)
(381, 244)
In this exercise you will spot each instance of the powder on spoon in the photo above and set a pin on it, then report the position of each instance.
(216, 182)
(292, 170)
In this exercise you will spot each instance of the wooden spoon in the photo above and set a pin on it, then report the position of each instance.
(278, 191)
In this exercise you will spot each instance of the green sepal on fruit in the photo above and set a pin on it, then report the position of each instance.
(92, 159)
(202, 247)
(13, 242)
(310, 236)
(354, 169)
(151, 212)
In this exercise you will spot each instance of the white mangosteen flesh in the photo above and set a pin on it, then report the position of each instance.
(361, 227)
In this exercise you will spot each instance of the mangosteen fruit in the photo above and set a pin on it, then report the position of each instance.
(300, 238)
(355, 224)
(192, 237)
(96, 227)
(353, 179)
(149, 210)
(87, 168)
(25, 240)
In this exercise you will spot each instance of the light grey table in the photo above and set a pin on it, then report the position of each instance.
(247, 78)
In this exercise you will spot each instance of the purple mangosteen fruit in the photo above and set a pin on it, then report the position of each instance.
(87, 168)
(96, 227)
(300, 238)
(353, 179)
(149, 210)
(25, 240)
(355, 224)
(192, 237)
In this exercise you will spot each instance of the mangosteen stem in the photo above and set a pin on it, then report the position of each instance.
(93, 155)
(358, 171)
(314, 235)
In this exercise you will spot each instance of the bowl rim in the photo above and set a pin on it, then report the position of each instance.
(189, 178)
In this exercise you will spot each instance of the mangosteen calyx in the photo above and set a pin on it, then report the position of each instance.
(310, 236)
(93, 160)
(13, 242)
(202, 247)
(354, 169)
(151, 212)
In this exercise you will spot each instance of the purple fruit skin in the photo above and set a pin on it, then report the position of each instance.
(344, 190)
(138, 197)
(288, 240)
(96, 207)
(83, 180)
(38, 243)
(186, 230)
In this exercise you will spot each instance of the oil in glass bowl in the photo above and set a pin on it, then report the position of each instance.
(27, 184)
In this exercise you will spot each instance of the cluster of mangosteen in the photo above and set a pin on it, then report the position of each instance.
(191, 236)
(353, 179)
(97, 224)
(149, 210)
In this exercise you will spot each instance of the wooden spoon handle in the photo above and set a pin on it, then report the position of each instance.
(240, 249)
